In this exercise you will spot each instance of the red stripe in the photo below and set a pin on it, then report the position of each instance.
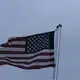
(12, 52)
(28, 63)
(20, 52)
(17, 39)
(35, 55)
(13, 45)
(28, 68)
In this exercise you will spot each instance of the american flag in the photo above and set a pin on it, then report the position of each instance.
(29, 52)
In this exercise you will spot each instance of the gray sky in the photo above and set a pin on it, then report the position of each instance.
(25, 17)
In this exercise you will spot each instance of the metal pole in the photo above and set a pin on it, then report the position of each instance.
(57, 50)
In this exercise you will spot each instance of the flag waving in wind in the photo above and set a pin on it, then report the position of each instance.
(29, 52)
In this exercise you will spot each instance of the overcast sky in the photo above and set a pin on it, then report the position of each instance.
(25, 17)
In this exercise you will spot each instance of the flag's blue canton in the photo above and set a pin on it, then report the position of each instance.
(37, 42)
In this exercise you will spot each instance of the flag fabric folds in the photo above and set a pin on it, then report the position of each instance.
(29, 52)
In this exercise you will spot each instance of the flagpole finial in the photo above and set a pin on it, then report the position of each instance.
(60, 25)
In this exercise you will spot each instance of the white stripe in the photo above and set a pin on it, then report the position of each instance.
(26, 65)
(23, 49)
(12, 49)
(17, 43)
(26, 55)
(30, 60)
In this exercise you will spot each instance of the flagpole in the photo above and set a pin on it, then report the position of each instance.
(57, 50)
